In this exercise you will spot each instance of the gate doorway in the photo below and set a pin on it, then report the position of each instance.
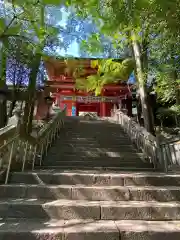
(84, 108)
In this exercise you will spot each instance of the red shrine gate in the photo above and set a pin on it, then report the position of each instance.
(62, 87)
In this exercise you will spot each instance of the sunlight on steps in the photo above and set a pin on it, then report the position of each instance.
(93, 184)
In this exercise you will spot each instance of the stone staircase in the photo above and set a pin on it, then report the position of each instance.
(92, 185)
(94, 144)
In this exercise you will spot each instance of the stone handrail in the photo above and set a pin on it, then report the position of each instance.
(20, 152)
(170, 153)
(162, 155)
(6, 133)
(144, 141)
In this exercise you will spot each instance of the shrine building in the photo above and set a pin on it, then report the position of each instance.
(62, 86)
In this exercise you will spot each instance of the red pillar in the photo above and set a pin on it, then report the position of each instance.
(102, 109)
(77, 109)
(109, 107)
(98, 109)
(102, 105)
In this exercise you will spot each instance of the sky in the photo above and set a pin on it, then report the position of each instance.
(73, 49)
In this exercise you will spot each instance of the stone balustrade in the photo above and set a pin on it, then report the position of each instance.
(163, 155)
(18, 151)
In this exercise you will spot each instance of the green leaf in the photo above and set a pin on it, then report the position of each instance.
(2, 25)
(52, 2)
(14, 30)
(94, 63)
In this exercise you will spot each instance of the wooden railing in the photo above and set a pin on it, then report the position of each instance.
(162, 155)
(29, 151)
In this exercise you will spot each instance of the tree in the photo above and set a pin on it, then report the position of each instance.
(109, 71)
(127, 22)
(165, 60)
(3, 101)
(134, 23)
(17, 68)
(9, 26)
(31, 27)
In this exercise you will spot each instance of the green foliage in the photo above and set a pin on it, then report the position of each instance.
(93, 45)
(28, 28)
(26, 21)
(109, 71)
(175, 109)
(2, 25)
(164, 113)
(115, 69)
(154, 25)
(166, 87)
(27, 32)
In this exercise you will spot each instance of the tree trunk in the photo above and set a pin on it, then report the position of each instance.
(3, 103)
(141, 75)
(31, 98)
(178, 97)
(177, 117)
(21, 106)
(16, 88)
(11, 108)
(3, 114)
(139, 110)
(30, 101)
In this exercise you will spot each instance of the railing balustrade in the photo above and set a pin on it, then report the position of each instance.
(170, 153)
(162, 155)
(29, 151)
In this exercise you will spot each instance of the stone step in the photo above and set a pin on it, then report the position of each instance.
(78, 148)
(135, 168)
(99, 162)
(96, 138)
(96, 145)
(89, 230)
(79, 209)
(90, 193)
(96, 178)
(96, 166)
(107, 156)
(94, 131)
(70, 150)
